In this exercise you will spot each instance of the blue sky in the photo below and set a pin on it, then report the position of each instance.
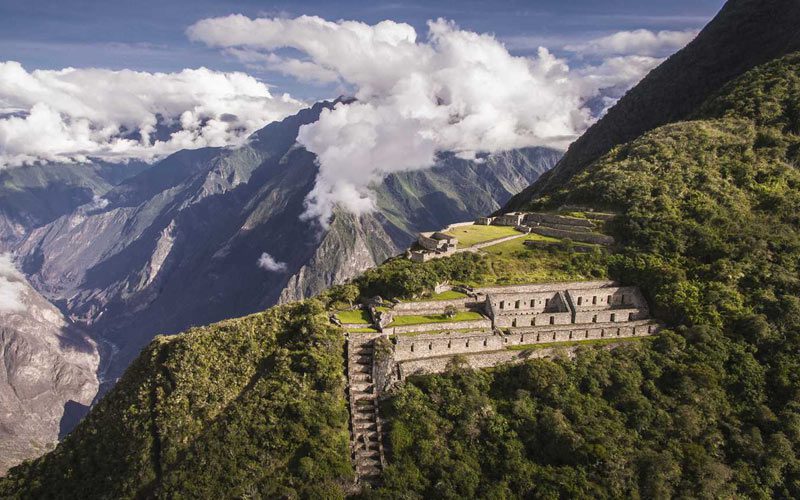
(150, 35)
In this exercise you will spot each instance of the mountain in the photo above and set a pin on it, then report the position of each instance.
(178, 244)
(744, 34)
(706, 225)
(48, 378)
(32, 196)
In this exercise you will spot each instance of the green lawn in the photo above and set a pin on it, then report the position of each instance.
(470, 235)
(362, 330)
(545, 345)
(448, 295)
(513, 262)
(434, 318)
(357, 316)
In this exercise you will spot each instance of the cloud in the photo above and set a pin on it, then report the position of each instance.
(11, 286)
(71, 115)
(268, 263)
(453, 91)
(639, 42)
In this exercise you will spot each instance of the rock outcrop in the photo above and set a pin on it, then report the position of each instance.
(47, 377)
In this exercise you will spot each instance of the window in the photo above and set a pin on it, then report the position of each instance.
(552, 320)
(554, 335)
(484, 342)
(609, 300)
(412, 347)
(430, 346)
(580, 300)
(502, 304)
(533, 302)
(546, 302)
(613, 317)
(623, 298)
(533, 321)
(630, 316)
(516, 305)
(449, 344)
(570, 335)
(594, 299)
(514, 322)
(594, 319)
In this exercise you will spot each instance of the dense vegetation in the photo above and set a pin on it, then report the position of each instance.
(246, 408)
(512, 263)
(710, 229)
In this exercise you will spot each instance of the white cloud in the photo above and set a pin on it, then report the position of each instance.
(639, 42)
(268, 263)
(454, 91)
(11, 286)
(72, 114)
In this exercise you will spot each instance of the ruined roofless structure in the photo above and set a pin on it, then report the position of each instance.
(571, 305)
(518, 323)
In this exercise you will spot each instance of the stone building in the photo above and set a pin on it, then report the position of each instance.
(509, 219)
(434, 245)
(437, 242)
(564, 304)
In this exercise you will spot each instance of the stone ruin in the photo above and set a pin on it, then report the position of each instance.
(555, 226)
(517, 323)
(433, 245)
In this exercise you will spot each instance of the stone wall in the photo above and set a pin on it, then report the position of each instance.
(429, 346)
(610, 315)
(596, 238)
(606, 297)
(533, 219)
(467, 343)
(523, 319)
(433, 355)
(543, 287)
(431, 306)
(455, 325)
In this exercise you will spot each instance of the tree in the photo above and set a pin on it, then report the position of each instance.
(450, 311)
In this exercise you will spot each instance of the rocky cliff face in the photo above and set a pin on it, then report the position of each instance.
(47, 376)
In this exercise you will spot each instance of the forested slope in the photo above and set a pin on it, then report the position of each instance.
(247, 408)
(745, 34)
(709, 228)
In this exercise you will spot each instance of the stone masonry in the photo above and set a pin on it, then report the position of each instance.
(365, 431)
(519, 322)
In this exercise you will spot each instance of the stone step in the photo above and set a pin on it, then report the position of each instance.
(366, 434)
(361, 386)
(361, 359)
(369, 471)
(361, 377)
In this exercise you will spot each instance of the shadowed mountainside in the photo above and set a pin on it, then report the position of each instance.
(744, 34)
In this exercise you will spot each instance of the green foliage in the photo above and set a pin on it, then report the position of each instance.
(400, 277)
(710, 229)
(244, 408)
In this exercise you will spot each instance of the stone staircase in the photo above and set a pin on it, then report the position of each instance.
(365, 430)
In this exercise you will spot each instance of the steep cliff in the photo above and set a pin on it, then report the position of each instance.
(47, 376)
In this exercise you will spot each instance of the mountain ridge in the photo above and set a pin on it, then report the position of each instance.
(744, 34)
